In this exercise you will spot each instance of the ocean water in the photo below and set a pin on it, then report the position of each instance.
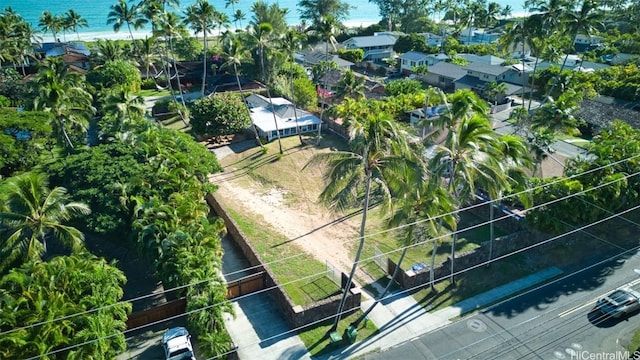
(95, 12)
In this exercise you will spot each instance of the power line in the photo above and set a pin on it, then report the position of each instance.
(627, 251)
(331, 316)
(370, 235)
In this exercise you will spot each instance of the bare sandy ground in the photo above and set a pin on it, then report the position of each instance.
(324, 235)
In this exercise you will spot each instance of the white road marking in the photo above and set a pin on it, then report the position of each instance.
(590, 302)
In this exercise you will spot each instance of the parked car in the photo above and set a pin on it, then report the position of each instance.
(620, 303)
(177, 344)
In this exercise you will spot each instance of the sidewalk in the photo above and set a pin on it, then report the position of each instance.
(399, 319)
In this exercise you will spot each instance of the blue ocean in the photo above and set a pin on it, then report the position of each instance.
(95, 11)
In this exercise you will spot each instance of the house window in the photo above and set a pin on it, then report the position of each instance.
(274, 133)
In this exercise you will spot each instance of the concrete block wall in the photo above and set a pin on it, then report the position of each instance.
(296, 315)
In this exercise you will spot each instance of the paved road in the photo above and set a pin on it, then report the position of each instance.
(554, 322)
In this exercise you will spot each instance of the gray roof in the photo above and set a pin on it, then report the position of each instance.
(413, 56)
(601, 114)
(487, 69)
(256, 100)
(373, 40)
(485, 59)
(477, 83)
(314, 57)
(448, 70)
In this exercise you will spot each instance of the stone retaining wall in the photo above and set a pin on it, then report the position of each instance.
(296, 315)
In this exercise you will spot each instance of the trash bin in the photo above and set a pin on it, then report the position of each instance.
(335, 339)
(351, 334)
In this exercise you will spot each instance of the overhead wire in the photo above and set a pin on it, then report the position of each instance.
(346, 311)
(370, 235)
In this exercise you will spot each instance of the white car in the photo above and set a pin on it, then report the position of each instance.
(177, 344)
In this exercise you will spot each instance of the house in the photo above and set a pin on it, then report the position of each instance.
(444, 75)
(74, 54)
(584, 42)
(474, 35)
(375, 47)
(373, 89)
(432, 39)
(308, 58)
(484, 59)
(411, 59)
(478, 75)
(282, 119)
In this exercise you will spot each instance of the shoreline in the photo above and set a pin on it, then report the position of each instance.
(108, 34)
(95, 35)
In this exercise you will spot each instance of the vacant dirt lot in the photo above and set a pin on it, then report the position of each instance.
(286, 197)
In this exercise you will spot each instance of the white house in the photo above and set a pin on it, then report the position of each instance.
(375, 47)
(285, 117)
(411, 59)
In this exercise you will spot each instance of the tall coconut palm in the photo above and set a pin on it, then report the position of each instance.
(74, 21)
(50, 22)
(121, 14)
(586, 20)
(62, 93)
(169, 27)
(236, 53)
(200, 17)
(34, 215)
(290, 43)
(324, 27)
(261, 36)
(418, 211)
(146, 51)
(518, 33)
(467, 156)
(377, 157)
(233, 4)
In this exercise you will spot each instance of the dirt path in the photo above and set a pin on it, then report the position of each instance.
(317, 232)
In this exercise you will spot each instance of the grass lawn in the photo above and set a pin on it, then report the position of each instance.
(154, 92)
(634, 344)
(316, 339)
(176, 124)
(314, 286)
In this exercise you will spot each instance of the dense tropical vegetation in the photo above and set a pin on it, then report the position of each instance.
(83, 160)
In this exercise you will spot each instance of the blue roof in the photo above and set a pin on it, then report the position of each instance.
(373, 40)
(413, 56)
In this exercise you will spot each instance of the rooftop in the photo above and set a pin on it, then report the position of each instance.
(372, 40)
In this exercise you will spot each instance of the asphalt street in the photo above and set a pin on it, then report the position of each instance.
(555, 321)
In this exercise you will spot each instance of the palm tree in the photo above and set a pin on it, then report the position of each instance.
(200, 17)
(74, 21)
(169, 27)
(290, 42)
(238, 16)
(325, 28)
(235, 53)
(62, 93)
(49, 22)
(147, 54)
(587, 20)
(33, 215)
(467, 157)
(261, 37)
(378, 155)
(233, 4)
(351, 86)
(495, 91)
(121, 13)
(418, 206)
